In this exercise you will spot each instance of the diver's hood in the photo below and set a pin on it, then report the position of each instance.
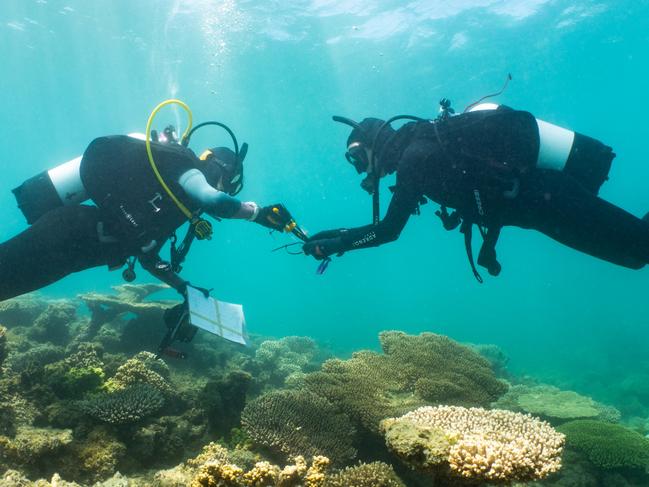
(370, 130)
(223, 166)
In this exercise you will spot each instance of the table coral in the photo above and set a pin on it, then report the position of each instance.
(607, 445)
(554, 404)
(123, 406)
(476, 445)
(299, 423)
(413, 371)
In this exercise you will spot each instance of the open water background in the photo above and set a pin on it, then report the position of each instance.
(276, 71)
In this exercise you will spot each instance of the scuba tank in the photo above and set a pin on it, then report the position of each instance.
(60, 186)
(584, 158)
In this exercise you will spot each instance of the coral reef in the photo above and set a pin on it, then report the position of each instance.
(77, 374)
(375, 474)
(607, 445)
(299, 422)
(475, 444)
(128, 302)
(95, 458)
(21, 311)
(143, 368)
(413, 371)
(53, 324)
(223, 399)
(33, 447)
(122, 406)
(284, 362)
(554, 405)
(3, 346)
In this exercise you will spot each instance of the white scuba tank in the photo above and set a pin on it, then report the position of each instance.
(59, 186)
(555, 143)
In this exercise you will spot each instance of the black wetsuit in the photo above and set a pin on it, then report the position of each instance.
(471, 161)
(133, 216)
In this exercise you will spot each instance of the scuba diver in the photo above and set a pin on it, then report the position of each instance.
(142, 192)
(495, 167)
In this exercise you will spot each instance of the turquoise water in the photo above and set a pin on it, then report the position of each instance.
(276, 72)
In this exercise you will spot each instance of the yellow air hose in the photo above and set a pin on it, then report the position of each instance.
(202, 227)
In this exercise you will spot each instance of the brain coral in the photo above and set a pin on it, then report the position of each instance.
(299, 423)
(475, 444)
(127, 405)
(413, 371)
(607, 445)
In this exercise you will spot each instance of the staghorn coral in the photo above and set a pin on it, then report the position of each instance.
(412, 372)
(554, 404)
(475, 444)
(143, 368)
(375, 474)
(607, 445)
(123, 406)
(294, 423)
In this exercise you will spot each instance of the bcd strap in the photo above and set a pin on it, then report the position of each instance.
(467, 230)
(178, 254)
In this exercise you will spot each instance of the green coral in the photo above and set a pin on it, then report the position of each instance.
(21, 311)
(299, 423)
(375, 474)
(421, 446)
(607, 445)
(77, 374)
(53, 324)
(412, 371)
(123, 406)
(143, 368)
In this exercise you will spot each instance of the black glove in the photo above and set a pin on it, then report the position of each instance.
(275, 217)
(183, 289)
(323, 248)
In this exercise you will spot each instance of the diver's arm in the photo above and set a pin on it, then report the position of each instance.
(162, 270)
(214, 202)
(403, 203)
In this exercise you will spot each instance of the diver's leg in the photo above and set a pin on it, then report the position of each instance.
(62, 241)
(558, 206)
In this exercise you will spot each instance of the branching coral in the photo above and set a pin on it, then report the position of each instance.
(299, 422)
(555, 404)
(143, 368)
(413, 371)
(123, 406)
(376, 474)
(285, 361)
(607, 445)
(475, 444)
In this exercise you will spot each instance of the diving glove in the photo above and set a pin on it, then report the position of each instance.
(323, 248)
(275, 217)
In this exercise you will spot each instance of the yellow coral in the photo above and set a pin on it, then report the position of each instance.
(315, 476)
(261, 475)
(215, 474)
(493, 445)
